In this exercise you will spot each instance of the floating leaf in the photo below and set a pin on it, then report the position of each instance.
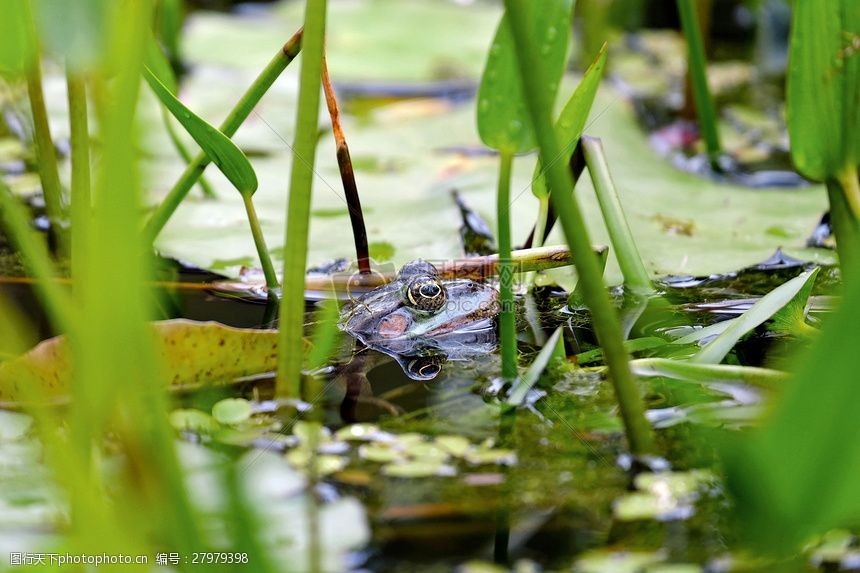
(193, 354)
(232, 410)
(491, 456)
(457, 446)
(417, 469)
(379, 453)
(571, 120)
(307, 432)
(188, 420)
(326, 464)
(604, 561)
(357, 432)
(220, 149)
(503, 121)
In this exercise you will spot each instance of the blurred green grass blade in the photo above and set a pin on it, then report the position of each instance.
(16, 46)
(220, 149)
(503, 120)
(16, 220)
(530, 377)
(764, 309)
(571, 120)
(798, 474)
(823, 94)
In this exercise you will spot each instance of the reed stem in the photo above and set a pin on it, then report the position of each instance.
(347, 176)
(46, 156)
(81, 198)
(697, 69)
(260, 243)
(299, 204)
(629, 259)
(507, 316)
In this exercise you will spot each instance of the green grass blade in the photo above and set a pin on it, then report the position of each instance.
(530, 377)
(503, 120)
(17, 51)
(606, 322)
(571, 120)
(299, 204)
(220, 149)
(764, 309)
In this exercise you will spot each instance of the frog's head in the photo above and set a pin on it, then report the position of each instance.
(419, 311)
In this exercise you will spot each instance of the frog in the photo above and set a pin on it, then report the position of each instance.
(422, 320)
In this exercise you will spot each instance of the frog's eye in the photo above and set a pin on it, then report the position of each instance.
(426, 293)
(425, 367)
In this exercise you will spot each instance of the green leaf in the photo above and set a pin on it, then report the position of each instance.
(797, 475)
(764, 309)
(194, 353)
(571, 120)
(16, 45)
(223, 152)
(823, 95)
(503, 122)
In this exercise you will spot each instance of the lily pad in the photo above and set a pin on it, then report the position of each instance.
(424, 222)
(232, 410)
(418, 469)
(193, 354)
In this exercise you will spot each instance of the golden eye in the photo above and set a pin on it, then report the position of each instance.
(426, 293)
(424, 368)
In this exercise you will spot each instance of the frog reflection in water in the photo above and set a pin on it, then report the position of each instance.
(422, 320)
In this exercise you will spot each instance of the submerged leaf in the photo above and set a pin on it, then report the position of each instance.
(220, 149)
(193, 354)
(763, 310)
